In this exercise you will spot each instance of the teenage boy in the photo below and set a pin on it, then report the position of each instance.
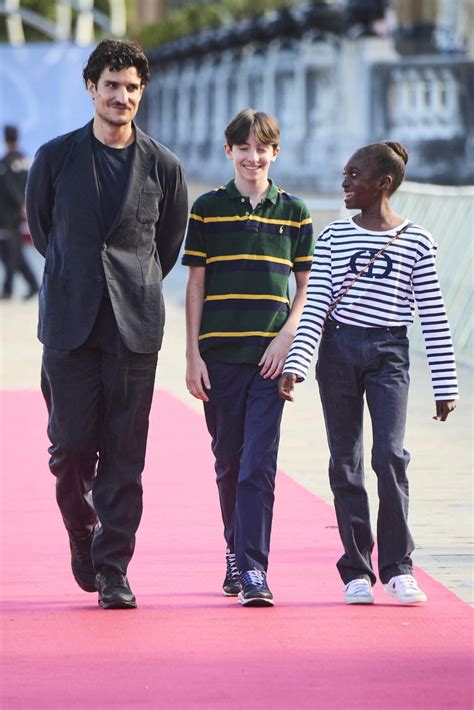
(107, 207)
(243, 241)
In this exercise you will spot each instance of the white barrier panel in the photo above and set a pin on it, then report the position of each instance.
(447, 212)
(42, 91)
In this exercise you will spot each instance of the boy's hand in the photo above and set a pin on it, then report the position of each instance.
(274, 356)
(286, 386)
(197, 378)
(443, 408)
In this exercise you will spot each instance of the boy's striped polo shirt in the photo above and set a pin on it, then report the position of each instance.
(248, 255)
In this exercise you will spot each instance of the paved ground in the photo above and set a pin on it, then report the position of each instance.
(440, 471)
(441, 467)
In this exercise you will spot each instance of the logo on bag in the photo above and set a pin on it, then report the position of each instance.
(360, 259)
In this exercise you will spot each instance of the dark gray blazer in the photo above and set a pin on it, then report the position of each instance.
(141, 247)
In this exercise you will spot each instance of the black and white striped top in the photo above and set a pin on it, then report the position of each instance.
(384, 296)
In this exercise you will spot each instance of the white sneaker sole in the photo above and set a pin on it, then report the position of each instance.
(255, 601)
(421, 599)
(359, 600)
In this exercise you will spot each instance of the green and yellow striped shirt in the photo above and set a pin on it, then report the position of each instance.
(248, 255)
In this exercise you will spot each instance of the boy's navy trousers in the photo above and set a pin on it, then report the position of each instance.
(243, 417)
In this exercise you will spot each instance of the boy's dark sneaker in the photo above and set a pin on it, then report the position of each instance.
(81, 561)
(231, 586)
(255, 590)
(114, 590)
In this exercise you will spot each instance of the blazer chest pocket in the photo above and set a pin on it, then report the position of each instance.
(148, 207)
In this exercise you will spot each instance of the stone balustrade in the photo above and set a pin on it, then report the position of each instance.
(330, 95)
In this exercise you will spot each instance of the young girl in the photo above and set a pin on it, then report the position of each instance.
(364, 351)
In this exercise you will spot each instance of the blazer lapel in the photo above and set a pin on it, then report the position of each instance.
(82, 163)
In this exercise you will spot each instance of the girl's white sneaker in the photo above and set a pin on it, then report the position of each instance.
(358, 591)
(405, 590)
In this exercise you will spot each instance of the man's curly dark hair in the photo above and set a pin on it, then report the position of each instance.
(116, 55)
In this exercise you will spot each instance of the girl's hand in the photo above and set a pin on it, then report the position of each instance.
(197, 378)
(443, 408)
(274, 356)
(286, 386)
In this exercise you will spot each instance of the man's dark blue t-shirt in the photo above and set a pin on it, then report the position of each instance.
(112, 167)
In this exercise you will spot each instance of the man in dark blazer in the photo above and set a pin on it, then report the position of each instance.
(107, 208)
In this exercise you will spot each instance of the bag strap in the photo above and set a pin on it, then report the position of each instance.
(366, 267)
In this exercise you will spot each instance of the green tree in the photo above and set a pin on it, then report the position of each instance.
(195, 18)
(47, 10)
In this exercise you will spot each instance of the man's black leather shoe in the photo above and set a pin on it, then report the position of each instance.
(114, 590)
(81, 561)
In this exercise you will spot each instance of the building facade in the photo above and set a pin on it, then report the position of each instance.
(331, 91)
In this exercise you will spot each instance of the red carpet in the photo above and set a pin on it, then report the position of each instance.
(187, 646)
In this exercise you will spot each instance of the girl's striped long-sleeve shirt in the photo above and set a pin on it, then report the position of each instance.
(385, 296)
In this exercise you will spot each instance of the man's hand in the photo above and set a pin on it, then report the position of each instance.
(197, 378)
(443, 408)
(274, 356)
(286, 386)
